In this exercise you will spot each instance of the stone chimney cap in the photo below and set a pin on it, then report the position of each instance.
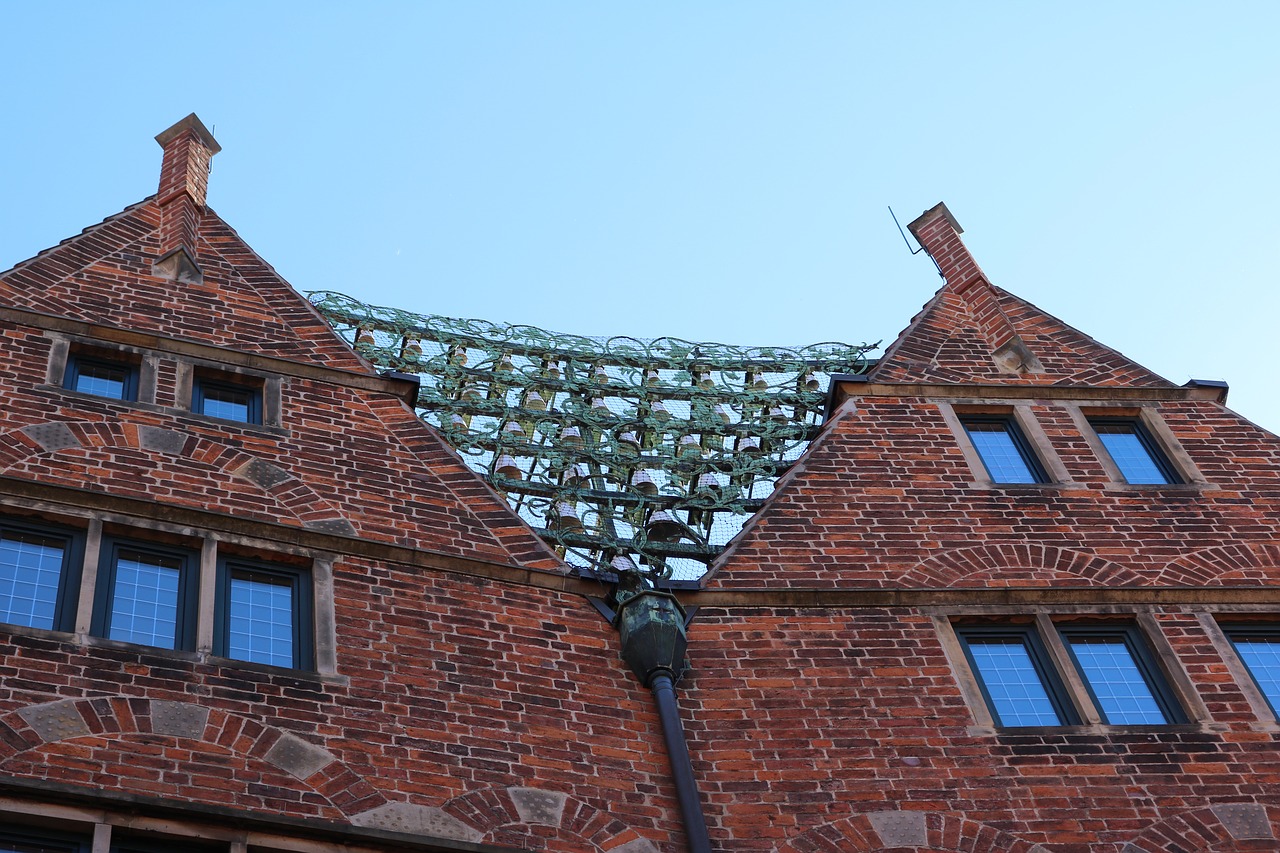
(193, 123)
(939, 209)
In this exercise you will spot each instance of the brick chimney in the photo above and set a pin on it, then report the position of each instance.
(184, 180)
(939, 233)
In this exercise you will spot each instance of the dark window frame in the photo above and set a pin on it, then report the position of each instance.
(1054, 688)
(188, 589)
(299, 580)
(1252, 630)
(1020, 443)
(200, 384)
(1144, 659)
(1148, 443)
(76, 361)
(54, 842)
(69, 577)
(128, 844)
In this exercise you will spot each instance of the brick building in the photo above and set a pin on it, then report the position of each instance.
(1017, 596)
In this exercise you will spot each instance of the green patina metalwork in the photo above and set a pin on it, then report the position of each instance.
(621, 452)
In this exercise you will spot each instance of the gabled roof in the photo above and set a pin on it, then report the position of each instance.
(972, 331)
(946, 343)
(886, 484)
(171, 268)
(104, 275)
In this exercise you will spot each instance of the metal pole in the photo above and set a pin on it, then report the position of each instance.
(695, 823)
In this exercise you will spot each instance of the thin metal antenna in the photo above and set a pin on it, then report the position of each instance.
(908, 242)
(904, 234)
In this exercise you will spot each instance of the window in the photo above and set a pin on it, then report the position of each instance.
(228, 400)
(32, 840)
(1259, 648)
(23, 840)
(102, 376)
(1021, 686)
(150, 594)
(1003, 449)
(1120, 676)
(147, 595)
(1017, 680)
(39, 575)
(1134, 451)
(263, 614)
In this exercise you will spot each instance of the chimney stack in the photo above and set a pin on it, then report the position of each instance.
(184, 181)
(939, 233)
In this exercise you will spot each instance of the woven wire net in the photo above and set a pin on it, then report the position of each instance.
(623, 453)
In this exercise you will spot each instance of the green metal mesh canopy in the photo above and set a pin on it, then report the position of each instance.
(622, 453)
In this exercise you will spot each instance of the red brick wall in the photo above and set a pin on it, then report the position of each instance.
(808, 720)
(886, 499)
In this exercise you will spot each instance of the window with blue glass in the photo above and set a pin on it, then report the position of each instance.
(263, 613)
(1022, 687)
(228, 400)
(1018, 682)
(1134, 452)
(1003, 449)
(1120, 675)
(39, 575)
(1259, 648)
(102, 376)
(147, 595)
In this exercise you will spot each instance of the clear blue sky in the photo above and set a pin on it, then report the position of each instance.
(713, 170)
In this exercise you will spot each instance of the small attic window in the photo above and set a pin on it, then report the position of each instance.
(1004, 450)
(1134, 451)
(102, 375)
(227, 399)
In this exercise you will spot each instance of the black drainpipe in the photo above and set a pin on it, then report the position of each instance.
(651, 626)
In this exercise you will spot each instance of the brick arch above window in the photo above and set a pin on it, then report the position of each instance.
(34, 728)
(510, 815)
(1221, 828)
(294, 496)
(1245, 564)
(1020, 565)
(902, 831)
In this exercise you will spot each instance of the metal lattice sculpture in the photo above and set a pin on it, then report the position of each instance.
(623, 453)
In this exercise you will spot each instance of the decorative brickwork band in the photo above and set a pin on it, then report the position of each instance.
(32, 735)
(286, 497)
(907, 830)
(505, 815)
(1019, 565)
(1224, 827)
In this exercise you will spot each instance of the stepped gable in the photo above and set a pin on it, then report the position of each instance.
(170, 266)
(973, 331)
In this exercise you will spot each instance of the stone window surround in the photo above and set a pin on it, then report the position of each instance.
(100, 827)
(1045, 621)
(1020, 410)
(1159, 433)
(953, 412)
(320, 566)
(1211, 622)
(185, 367)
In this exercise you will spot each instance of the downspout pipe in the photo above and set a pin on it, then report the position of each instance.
(651, 626)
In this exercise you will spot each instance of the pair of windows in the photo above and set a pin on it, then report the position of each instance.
(148, 594)
(1008, 456)
(1022, 687)
(118, 380)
